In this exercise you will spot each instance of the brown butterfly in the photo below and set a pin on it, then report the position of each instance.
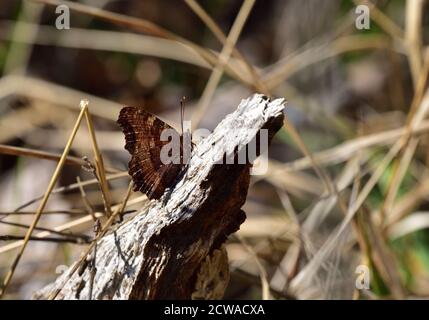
(143, 141)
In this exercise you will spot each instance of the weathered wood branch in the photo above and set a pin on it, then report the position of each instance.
(173, 248)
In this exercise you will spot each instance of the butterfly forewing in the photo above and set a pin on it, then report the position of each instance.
(143, 141)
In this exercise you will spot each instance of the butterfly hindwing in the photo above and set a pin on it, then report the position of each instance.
(143, 141)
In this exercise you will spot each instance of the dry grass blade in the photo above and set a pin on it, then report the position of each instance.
(70, 225)
(372, 244)
(209, 22)
(18, 123)
(103, 231)
(290, 65)
(262, 272)
(414, 222)
(413, 36)
(115, 41)
(119, 19)
(289, 264)
(105, 40)
(46, 91)
(420, 91)
(384, 22)
(223, 60)
(408, 202)
(42, 205)
(297, 183)
(99, 164)
(69, 212)
(51, 239)
(307, 273)
(142, 25)
(73, 186)
(397, 177)
(319, 171)
(18, 54)
(319, 211)
(418, 111)
(26, 152)
(85, 200)
(349, 148)
(381, 255)
(218, 33)
(51, 231)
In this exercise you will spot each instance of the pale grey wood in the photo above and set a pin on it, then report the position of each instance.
(158, 253)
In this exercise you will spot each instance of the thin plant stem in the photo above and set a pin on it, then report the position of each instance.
(42, 205)
(103, 231)
(99, 164)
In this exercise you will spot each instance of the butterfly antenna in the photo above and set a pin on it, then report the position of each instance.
(182, 112)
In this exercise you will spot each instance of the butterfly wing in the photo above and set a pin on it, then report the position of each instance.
(143, 141)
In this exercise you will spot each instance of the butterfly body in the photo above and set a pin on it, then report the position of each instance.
(143, 141)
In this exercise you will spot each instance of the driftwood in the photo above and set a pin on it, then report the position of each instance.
(173, 249)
